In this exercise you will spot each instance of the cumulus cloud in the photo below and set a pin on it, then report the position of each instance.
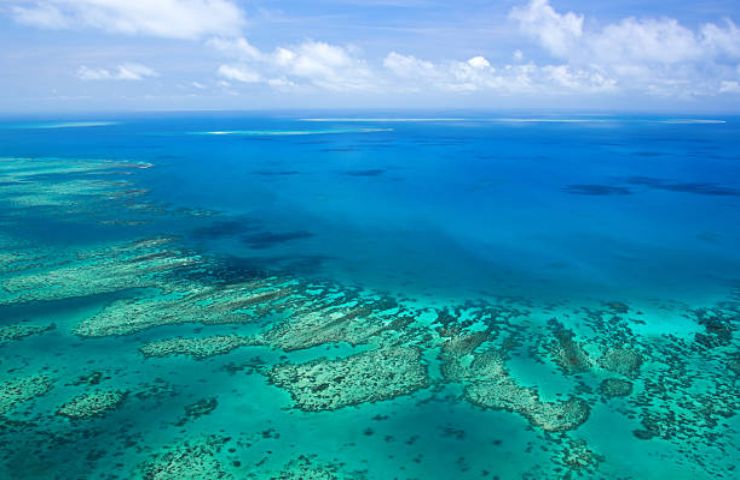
(126, 71)
(558, 33)
(237, 47)
(238, 73)
(309, 64)
(183, 19)
(644, 55)
(477, 74)
(330, 67)
(656, 55)
(325, 67)
(408, 65)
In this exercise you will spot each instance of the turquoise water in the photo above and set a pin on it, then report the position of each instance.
(369, 296)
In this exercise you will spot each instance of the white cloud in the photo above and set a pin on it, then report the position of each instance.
(630, 41)
(126, 71)
(722, 40)
(310, 64)
(729, 86)
(477, 74)
(558, 33)
(238, 73)
(650, 55)
(407, 65)
(235, 47)
(589, 81)
(633, 41)
(647, 56)
(479, 63)
(43, 15)
(326, 66)
(184, 19)
(282, 84)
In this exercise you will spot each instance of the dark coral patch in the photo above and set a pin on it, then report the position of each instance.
(270, 239)
(597, 190)
(695, 188)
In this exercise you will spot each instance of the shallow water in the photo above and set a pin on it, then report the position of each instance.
(372, 296)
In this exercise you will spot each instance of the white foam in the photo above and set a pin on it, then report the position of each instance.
(67, 125)
(284, 133)
(692, 121)
(550, 120)
(384, 120)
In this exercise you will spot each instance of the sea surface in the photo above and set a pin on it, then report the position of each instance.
(369, 295)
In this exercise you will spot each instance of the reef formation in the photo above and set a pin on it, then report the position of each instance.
(326, 346)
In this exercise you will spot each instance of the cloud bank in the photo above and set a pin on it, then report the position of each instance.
(126, 71)
(575, 55)
(181, 19)
(653, 56)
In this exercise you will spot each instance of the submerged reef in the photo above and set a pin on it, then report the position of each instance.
(187, 304)
(320, 346)
(615, 387)
(17, 331)
(623, 361)
(567, 353)
(578, 459)
(354, 325)
(308, 467)
(66, 190)
(366, 377)
(193, 460)
(19, 390)
(491, 386)
(93, 404)
(197, 348)
(139, 264)
(202, 407)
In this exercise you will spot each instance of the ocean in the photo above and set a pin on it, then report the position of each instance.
(367, 295)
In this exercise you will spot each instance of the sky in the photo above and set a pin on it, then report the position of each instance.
(132, 55)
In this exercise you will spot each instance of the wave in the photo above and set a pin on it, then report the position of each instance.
(693, 121)
(36, 126)
(551, 120)
(385, 120)
(287, 133)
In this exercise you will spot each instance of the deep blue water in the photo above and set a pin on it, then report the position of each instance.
(601, 206)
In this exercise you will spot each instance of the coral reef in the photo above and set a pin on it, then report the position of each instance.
(118, 267)
(623, 361)
(579, 459)
(198, 348)
(615, 387)
(92, 404)
(567, 353)
(17, 331)
(194, 304)
(306, 467)
(18, 390)
(489, 385)
(202, 407)
(354, 324)
(194, 460)
(366, 377)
